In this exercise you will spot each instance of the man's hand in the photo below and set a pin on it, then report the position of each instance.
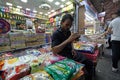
(74, 53)
(73, 36)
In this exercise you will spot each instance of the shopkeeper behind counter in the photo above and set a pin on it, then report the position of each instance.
(20, 26)
(62, 40)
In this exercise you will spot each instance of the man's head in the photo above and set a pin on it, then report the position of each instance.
(118, 12)
(66, 21)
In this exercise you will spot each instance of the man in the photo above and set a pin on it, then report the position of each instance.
(114, 27)
(62, 40)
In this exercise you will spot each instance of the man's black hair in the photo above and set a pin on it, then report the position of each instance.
(118, 12)
(18, 23)
(67, 16)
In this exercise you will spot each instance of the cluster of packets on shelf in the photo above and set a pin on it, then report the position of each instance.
(85, 47)
(17, 40)
(34, 39)
(4, 42)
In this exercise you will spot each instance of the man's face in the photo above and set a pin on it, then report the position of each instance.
(67, 24)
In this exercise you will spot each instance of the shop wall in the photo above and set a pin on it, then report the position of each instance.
(110, 8)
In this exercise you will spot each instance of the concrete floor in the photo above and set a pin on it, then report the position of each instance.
(103, 69)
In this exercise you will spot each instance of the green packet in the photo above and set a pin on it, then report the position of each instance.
(70, 64)
(62, 74)
(54, 75)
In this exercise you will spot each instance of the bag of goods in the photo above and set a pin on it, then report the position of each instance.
(86, 47)
(52, 59)
(45, 49)
(16, 72)
(35, 66)
(33, 51)
(27, 58)
(1, 64)
(63, 70)
(41, 75)
(10, 63)
(6, 56)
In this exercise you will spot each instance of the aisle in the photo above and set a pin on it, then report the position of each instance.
(103, 70)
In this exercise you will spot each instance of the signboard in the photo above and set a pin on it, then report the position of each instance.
(4, 26)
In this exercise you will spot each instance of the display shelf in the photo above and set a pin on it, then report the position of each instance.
(13, 50)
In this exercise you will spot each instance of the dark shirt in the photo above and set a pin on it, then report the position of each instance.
(60, 36)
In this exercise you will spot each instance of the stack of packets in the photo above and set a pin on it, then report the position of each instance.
(95, 39)
(85, 47)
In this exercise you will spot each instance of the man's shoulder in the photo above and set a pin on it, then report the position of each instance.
(56, 32)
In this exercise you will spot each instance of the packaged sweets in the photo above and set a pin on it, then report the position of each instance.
(16, 72)
(33, 51)
(58, 71)
(35, 66)
(53, 58)
(41, 75)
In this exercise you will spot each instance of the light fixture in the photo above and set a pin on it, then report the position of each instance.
(48, 12)
(61, 6)
(50, 0)
(28, 9)
(68, 3)
(40, 13)
(63, 0)
(10, 7)
(25, 1)
(45, 6)
(52, 10)
(19, 6)
(9, 4)
(34, 11)
(57, 3)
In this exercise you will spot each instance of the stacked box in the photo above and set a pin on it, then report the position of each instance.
(4, 43)
(17, 40)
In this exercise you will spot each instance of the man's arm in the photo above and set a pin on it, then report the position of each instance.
(56, 47)
(109, 30)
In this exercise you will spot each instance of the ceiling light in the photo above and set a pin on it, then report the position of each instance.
(63, 0)
(52, 10)
(34, 11)
(69, 3)
(9, 4)
(19, 6)
(62, 6)
(25, 1)
(48, 12)
(45, 6)
(40, 13)
(10, 7)
(57, 3)
(50, 0)
(28, 9)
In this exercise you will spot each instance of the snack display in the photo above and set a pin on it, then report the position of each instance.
(29, 64)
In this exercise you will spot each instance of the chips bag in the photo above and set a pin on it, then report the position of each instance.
(41, 75)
